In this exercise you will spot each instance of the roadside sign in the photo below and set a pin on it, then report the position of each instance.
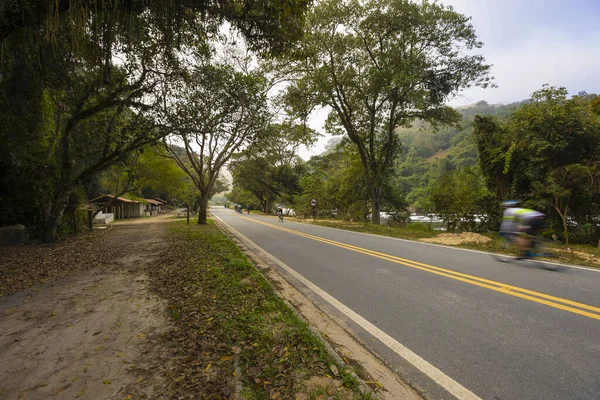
(313, 202)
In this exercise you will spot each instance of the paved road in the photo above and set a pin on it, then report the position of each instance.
(455, 323)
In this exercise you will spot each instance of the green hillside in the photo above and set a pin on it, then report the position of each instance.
(428, 154)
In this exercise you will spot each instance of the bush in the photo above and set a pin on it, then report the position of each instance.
(419, 227)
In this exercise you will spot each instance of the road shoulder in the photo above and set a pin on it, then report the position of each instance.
(338, 334)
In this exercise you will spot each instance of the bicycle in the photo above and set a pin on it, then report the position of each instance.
(507, 245)
(280, 216)
(539, 249)
(502, 246)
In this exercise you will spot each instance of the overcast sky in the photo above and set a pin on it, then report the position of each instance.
(529, 43)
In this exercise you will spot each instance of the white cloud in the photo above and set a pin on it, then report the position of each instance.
(530, 43)
(543, 57)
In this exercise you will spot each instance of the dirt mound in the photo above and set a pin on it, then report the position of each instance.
(458, 238)
(588, 258)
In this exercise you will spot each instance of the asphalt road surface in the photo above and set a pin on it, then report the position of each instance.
(455, 323)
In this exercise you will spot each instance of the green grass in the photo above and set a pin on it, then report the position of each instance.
(411, 231)
(184, 217)
(217, 297)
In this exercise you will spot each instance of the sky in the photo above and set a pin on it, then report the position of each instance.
(529, 43)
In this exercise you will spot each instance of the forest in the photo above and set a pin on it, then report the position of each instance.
(159, 98)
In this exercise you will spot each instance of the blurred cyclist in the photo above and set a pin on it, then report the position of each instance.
(509, 216)
(528, 224)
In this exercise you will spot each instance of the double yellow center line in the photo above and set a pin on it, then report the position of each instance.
(536, 297)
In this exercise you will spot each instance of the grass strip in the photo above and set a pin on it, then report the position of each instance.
(232, 332)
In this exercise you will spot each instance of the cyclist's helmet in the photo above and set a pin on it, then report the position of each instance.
(510, 203)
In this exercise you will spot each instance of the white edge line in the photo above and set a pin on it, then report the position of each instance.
(441, 245)
(449, 384)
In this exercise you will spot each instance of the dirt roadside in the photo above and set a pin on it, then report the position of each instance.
(92, 325)
(85, 334)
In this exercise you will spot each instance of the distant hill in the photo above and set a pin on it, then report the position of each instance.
(427, 154)
(426, 143)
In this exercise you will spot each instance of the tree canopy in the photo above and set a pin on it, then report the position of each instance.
(84, 85)
(379, 65)
(214, 113)
(269, 26)
(546, 153)
(270, 168)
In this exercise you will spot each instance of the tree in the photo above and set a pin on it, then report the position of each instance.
(270, 168)
(80, 125)
(336, 179)
(495, 150)
(240, 196)
(148, 170)
(378, 65)
(457, 196)
(214, 113)
(74, 111)
(258, 176)
(548, 153)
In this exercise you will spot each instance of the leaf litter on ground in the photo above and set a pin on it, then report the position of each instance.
(225, 312)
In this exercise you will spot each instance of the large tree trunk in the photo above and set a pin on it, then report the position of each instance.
(263, 205)
(53, 216)
(563, 217)
(375, 205)
(565, 227)
(202, 208)
(566, 231)
(75, 221)
(50, 230)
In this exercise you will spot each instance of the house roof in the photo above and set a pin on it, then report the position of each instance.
(127, 200)
(161, 200)
(107, 197)
(155, 202)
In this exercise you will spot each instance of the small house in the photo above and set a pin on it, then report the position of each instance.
(163, 206)
(154, 206)
(119, 207)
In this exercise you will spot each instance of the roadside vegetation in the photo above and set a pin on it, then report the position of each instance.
(397, 147)
(84, 92)
(578, 254)
(233, 334)
(176, 312)
(461, 174)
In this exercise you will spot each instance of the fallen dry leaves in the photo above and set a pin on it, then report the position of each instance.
(31, 265)
(232, 330)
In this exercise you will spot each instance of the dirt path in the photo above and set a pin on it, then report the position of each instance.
(91, 334)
